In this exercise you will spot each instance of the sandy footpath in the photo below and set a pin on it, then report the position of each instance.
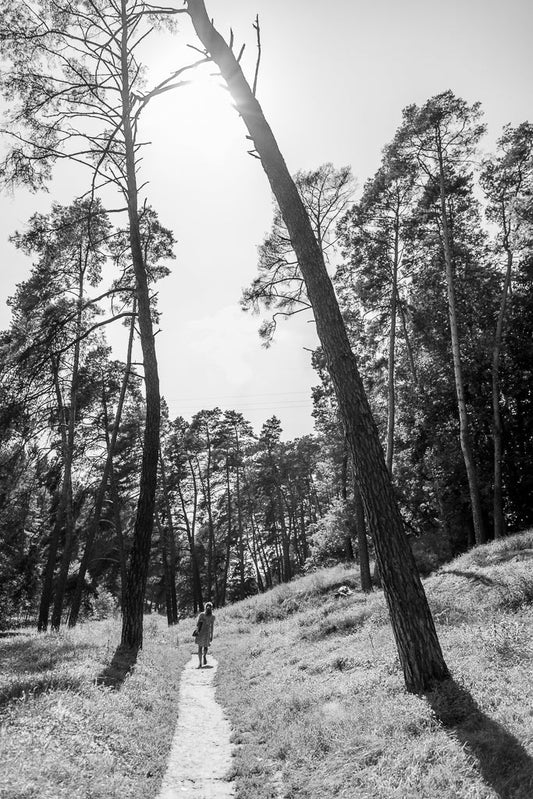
(200, 757)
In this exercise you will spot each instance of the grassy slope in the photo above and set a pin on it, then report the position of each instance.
(313, 688)
(63, 735)
(314, 691)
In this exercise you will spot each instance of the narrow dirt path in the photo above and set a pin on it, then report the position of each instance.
(200, 757)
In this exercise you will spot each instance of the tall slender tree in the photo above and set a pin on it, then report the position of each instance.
(441, 137)
(507, 180)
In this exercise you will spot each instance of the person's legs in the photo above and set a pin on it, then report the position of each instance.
(199, 657)
(205, 655)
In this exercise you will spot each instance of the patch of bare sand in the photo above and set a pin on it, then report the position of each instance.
(201, 753)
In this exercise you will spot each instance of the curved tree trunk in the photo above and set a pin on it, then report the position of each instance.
(418, 646)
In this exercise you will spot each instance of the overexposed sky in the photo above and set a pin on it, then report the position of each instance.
(333, 81)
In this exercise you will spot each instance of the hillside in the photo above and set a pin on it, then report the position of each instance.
(311, 684)
(315, 693)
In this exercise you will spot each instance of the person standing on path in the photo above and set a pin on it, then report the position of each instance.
(204, 625)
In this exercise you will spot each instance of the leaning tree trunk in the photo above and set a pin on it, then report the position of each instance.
(132, 620)
(464, 432)
(418, 646)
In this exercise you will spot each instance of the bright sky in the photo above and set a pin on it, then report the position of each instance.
(333, 81)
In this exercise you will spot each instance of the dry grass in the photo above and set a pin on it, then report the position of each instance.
(315, 693)
(313, 688)
(65, 732)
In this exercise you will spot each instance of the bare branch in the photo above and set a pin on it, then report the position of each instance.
(258, 61)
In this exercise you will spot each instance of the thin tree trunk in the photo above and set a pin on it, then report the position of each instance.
(303, 536)
(410, 356)
(198, 602)
(171, 543)
(464, 432)
(119, 533)
(348, 544)
(59, 520)
(285, 541)
(163, 542)
(267, 570)
(499, 521)
(256, 556)
(418, 646)
(61, 582)
(229, 535)
(240, 529)
(132, 621)
(362, 544)
(391, 389)
(253, 555)
(205, 482)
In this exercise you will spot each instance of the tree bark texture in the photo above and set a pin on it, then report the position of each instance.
(418, 646)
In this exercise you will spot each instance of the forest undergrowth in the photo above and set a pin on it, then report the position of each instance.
(313, 688)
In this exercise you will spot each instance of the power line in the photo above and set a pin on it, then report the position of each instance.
(235, 396)
(273, 408)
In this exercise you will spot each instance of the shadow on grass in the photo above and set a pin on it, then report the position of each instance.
(122, 664)
(32, 688)
(36, 654)
(475, 576)
(503, 762)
